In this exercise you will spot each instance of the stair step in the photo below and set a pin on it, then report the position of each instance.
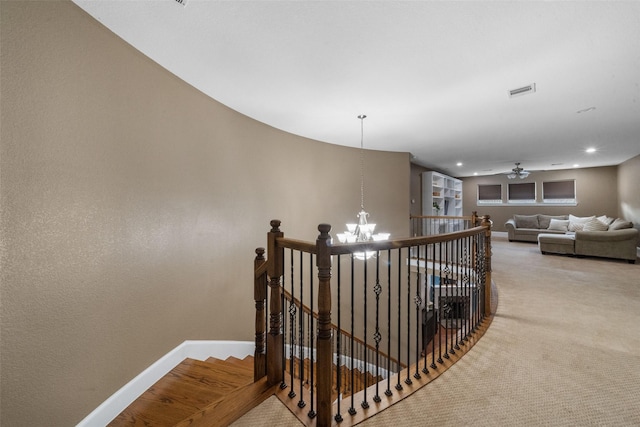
(233, 406)
(187, 389)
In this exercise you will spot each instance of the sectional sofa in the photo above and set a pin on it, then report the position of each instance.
(582, 236)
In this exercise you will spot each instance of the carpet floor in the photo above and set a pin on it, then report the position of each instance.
(563, 350)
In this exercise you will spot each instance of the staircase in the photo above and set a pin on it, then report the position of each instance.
(209, 393)
(214, 392)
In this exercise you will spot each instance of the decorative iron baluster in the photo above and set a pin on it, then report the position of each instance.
(377, 289)
(418, 303)
(365, 403)
(408, 379)
(424, 326)
(292, 323)
(338, 415)
(457, 301)
(352, 409)
(388, 390)
(399, 385)
(301, 402)
(439, 300)
(432, 297)
(312, 386)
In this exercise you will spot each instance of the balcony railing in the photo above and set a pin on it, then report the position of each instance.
(345, 336)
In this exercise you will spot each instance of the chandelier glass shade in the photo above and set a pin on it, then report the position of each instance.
(362, 231)
(518, 172)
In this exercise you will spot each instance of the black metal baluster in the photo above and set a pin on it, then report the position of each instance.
(399, 385)
(312, 334)
(418, 302)
(467, 284)
(365, 403)
(440, 308)
(408, 379)
(388, 390)
(424, 326)
(434, 315)
(301, 402)
(292, 322)
(338, 415)
(458, 301)
(352, 409)
(377, 337)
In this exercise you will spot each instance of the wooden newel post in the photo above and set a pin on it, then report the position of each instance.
(324, 332)
(275, 266)
(486, 222)
(260, 296)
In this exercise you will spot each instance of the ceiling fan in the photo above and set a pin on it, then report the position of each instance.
(518, 172)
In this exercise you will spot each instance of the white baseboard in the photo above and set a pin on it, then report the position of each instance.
(201, 350)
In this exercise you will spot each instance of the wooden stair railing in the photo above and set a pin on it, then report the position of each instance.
(461, 261)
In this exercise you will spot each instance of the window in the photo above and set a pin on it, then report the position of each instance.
(489, 193)
(522, 193)
(559, 191)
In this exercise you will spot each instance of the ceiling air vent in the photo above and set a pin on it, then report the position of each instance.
(522, 90)
(181, 2)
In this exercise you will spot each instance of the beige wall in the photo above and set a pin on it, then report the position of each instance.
(131, 205)
(629, 190)
(611, 190)
(596, 193)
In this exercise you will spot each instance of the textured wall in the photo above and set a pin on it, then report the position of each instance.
(131, 205)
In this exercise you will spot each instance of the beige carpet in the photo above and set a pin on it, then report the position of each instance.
(563, 350)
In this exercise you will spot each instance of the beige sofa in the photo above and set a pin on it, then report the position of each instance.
(525, 228)
(582, 236)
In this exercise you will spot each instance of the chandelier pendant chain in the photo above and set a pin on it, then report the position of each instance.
(362, 231)
(362, 117)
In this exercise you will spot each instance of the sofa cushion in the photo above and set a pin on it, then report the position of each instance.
(595, 225)
(544, 220)
(558, 224)
(576, 223)
(619, 224)
(526, 221)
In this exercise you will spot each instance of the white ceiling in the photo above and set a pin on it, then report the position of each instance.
(432, 76)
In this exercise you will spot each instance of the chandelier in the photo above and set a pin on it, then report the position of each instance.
(518, 172)
(363, 231)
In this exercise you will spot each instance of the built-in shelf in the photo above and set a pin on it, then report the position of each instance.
(443, 191)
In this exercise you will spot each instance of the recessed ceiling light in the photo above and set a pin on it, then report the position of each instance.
(459, 164)
(576, 165)
(590, 150)
(475, 173)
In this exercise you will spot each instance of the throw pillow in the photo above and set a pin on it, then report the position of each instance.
(558, 224)
(526, 221)
(595, 225)
(544, 220)
(619, 224)
(605, 219)
(576, 223)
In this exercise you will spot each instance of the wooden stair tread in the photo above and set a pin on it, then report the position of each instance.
(187, 389)
(232, 407)
(246, 363)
